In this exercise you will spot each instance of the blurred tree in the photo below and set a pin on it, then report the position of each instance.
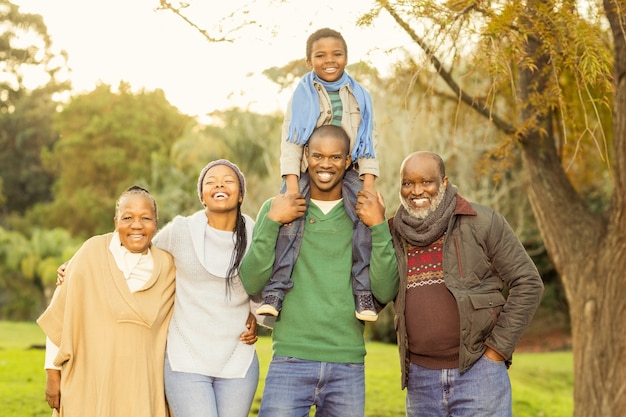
(288, 75)
(245, 138)
(252, 141)
(30, 79)
(108, 142)
(2, 197)
(543, 73)
(25, 132)
(28, 267)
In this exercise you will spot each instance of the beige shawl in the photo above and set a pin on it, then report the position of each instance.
(112, 341)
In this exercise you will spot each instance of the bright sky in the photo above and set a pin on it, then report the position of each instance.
(113, 40)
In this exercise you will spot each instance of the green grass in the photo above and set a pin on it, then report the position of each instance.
(22, 378)
(542, 382)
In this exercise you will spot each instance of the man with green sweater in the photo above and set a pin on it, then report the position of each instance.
(318, 346)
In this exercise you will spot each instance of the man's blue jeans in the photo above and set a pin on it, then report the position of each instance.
(293, 386)
(484, 390)
(290, 239)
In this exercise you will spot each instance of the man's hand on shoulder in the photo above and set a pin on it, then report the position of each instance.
(370, 208)
(286, 208)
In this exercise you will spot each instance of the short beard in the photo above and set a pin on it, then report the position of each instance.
(422, 214)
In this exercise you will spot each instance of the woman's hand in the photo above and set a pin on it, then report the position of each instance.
(61, 272)
(250, 337)
(53, 388)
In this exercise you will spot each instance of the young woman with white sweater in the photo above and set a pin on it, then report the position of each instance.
(211, 367)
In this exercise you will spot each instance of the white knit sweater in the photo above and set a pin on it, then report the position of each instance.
(203, 334)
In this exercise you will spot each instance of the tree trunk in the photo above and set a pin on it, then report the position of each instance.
(598, 335)
(591, 261)
(588, 250)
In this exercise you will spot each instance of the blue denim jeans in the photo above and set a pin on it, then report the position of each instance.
(290, 239)
(293, 386)
(484, 390)
(195, 395)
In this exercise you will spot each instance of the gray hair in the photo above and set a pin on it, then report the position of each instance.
(136, 190)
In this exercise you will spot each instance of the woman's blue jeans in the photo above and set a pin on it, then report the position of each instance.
(195, 395)
(293, 386)
(484, 390)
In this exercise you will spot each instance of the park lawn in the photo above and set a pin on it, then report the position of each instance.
(542, 382)
(22, 378)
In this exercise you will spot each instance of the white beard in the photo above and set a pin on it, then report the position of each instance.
(423, 213)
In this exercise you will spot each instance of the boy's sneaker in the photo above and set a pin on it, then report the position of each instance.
(270, 307)
(365, 309)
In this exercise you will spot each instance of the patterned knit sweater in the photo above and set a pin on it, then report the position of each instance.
(433, 331)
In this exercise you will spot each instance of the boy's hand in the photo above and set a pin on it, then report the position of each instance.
(370, 208)
(286, 208)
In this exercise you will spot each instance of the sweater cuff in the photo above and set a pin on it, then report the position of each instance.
(380, 231)
(52, 351)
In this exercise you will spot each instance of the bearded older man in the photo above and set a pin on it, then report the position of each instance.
(456, 330)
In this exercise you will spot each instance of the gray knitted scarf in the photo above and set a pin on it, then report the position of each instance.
(423, 232)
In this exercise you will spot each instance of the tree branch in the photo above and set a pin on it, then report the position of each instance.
(476, 103)
(166, 5)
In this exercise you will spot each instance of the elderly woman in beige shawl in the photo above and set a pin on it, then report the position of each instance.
(107, 324)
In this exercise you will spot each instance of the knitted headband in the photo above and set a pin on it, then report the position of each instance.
(242, 180)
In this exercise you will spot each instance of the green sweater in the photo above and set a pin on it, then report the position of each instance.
(317, 320)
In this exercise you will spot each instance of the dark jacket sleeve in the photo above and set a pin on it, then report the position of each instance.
(515, 267)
